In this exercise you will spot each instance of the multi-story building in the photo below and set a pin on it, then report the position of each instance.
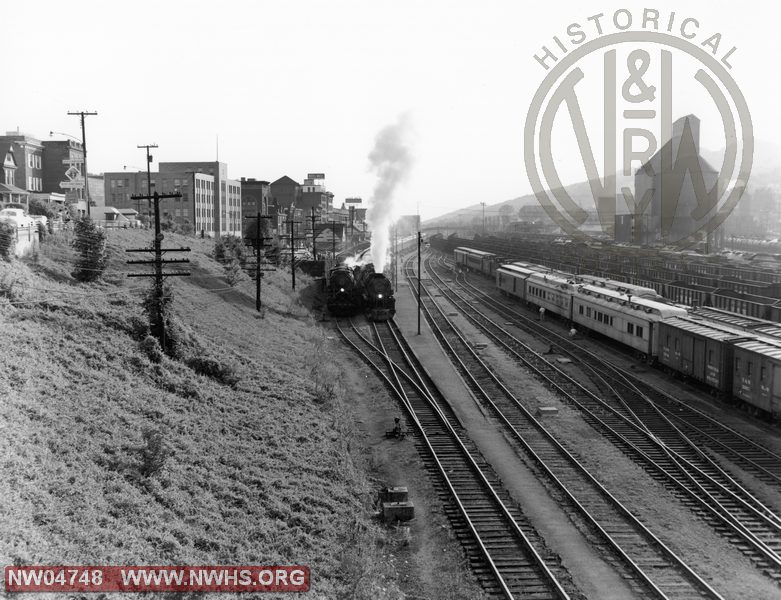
(63, 168)
(254, 196)
(209, 202)
(22, 173)
(28, 154)
(227, 193)
(285, 192)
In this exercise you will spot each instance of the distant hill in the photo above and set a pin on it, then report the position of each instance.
(766, 170)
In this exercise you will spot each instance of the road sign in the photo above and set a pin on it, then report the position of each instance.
(72, 185)
(74, 162)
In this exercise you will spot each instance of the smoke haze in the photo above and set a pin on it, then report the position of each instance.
(391, 161)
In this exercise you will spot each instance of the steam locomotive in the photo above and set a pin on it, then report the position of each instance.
(353, 290)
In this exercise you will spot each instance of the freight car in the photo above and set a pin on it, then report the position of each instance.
(376, 293)
(343, 298)
(470, 259)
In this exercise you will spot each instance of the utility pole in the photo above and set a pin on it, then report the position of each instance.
(259, 242)
(293, 249)
(148, 174)
(396, 259)
(483, 204)
(84, 113)
(352, 225)
(314, 247)
(420, 298)
(159, 261)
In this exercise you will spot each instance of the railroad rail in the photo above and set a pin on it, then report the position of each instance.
(648, 562)
(730, 509)
(509, 563)
(700, 428)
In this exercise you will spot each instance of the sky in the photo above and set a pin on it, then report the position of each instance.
(297, 87)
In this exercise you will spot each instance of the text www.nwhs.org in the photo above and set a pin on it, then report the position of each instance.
(157, 579)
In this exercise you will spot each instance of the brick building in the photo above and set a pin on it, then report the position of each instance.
(254, 196)
(210, 202)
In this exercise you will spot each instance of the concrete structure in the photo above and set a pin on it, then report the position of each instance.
(678, 184)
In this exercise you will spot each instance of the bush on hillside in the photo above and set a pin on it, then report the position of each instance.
(214, 369)
(7, 240)
(90, 243)
(154, 452)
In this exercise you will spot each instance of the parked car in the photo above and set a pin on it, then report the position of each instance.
(16, 216)
(40, 219)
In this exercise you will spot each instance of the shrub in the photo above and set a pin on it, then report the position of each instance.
(234, 273)
(152, 349)
(90, 243)
(213, 369)
(154, 453)
(156, 304)
(7, 240)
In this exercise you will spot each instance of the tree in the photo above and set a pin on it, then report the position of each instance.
(39, 207)
(90, 243)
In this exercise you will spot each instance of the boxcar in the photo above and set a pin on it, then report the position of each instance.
(475, 260)
(511, 280)
(757, 374)
(700, 350)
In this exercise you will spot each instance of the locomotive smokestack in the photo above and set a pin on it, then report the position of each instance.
(391, 160)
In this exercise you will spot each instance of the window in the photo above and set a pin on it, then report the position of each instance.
(667, 340)
(737, 363)
(762, 373)
(31, 161)
(749, 364)
(588, 312)
(639, 331)
(710, 357)
(580, 309)
(630, 328)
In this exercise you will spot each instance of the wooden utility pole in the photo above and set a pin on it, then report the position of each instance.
(82, 114)
(158, 262)
(314, 248)
(293, 250)
(148, 172)
(420, 299)
(259, 242)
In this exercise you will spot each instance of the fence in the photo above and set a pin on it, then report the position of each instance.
(27, 240)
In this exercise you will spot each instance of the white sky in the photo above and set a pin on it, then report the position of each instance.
(304, 86)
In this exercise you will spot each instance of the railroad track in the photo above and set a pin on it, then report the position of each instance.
(700, 428)
(502, 546)
(647, 562)
(696, 479)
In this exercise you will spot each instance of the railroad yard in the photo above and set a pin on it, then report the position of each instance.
(568, 467)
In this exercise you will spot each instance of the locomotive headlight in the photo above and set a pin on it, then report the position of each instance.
(341, 289)
(379, 296)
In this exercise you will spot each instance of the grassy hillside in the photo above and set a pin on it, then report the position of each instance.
(113, 455)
